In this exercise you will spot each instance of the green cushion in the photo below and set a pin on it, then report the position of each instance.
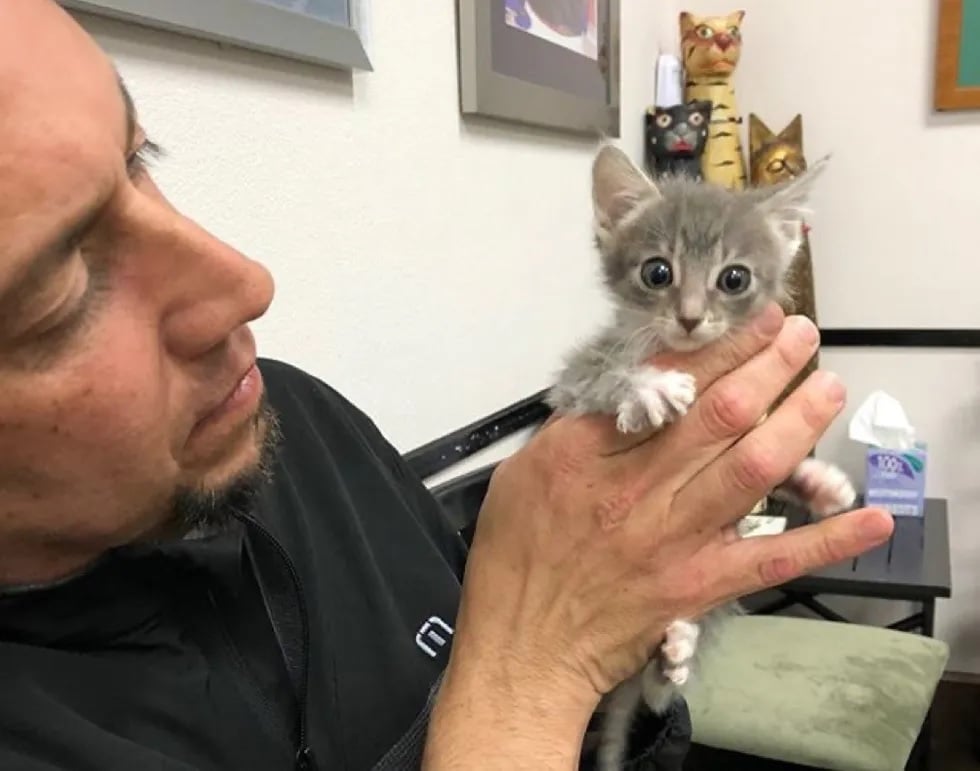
(837, 696)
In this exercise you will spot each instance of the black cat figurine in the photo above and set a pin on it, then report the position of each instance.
(675, 138)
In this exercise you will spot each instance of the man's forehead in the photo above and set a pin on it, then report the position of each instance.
(51, 71)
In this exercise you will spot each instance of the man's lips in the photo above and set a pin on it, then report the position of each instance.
(239, 393)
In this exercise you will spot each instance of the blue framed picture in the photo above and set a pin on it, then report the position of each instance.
(551, 63)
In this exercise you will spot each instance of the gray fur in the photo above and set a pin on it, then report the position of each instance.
(699, 229)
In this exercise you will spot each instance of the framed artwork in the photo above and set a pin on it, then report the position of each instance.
(326, 32)
(551, 63)
(957, 85)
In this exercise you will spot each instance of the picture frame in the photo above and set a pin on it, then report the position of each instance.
(334, 38)
(957, 61)
(515, 67)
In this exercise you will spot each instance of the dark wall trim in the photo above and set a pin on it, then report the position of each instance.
(900, 338)
(441, 453)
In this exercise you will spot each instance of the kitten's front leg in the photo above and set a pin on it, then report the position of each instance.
(820, 486)
(607, 377)
(652, 397)
(640, 397)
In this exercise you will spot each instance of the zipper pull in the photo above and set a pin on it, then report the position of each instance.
(305, 760)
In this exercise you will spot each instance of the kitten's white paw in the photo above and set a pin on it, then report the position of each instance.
(824, 487)
(656, 398)
(681, 642)
(678, 649)
(677, 675)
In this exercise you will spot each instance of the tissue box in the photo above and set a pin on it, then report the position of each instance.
(896, 480)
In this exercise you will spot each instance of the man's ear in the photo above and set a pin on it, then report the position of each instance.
(618, 186)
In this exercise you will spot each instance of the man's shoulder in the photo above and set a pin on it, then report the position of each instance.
(307, 403)
(331, 449)
(285, 380)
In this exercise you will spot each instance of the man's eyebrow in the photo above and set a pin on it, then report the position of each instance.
(31, 277)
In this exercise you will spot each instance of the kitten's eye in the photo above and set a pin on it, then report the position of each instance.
(705, 33)
(656, 273)
(664, 120)
(776, 166)
(734, 279)
(734, 32)
(696, 119)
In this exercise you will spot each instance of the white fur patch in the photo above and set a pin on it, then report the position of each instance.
(681, 642)
(678, 650)
(677, 675)
(656, 397)
(824, 487)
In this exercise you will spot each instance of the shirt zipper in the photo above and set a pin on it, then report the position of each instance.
(305, 760)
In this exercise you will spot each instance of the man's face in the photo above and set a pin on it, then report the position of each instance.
(126, 367)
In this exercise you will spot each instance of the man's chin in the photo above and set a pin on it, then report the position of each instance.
(229, 492)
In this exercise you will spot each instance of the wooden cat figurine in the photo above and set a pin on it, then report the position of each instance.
(711, 47)
(775, 158)
(675, 137)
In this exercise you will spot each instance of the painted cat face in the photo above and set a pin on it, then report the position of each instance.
(711, 45)
(775, 158)
(678, 131)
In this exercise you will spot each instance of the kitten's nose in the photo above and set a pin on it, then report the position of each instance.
(689, 324)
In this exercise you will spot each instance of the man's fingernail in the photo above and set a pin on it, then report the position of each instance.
(804, 329)
(770, 320)
(832, 386)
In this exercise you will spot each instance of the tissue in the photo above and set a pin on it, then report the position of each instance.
(895, 470)
(881, 421)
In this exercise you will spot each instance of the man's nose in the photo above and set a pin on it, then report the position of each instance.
(206, 289)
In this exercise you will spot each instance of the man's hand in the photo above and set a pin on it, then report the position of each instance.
(588, 545)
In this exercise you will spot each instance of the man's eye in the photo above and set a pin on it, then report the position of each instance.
(139, 159)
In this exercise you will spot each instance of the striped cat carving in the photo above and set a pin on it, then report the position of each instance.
(775, 158)
(711, 47)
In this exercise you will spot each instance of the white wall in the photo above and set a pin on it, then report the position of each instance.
(430, 269)
(894, 236)
(433, 271)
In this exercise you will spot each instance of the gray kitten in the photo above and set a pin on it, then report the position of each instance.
(684, 262)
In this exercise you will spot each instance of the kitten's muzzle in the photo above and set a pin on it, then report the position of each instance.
(689, 324)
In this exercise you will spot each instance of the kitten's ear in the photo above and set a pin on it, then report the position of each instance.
(786, 205)
(618, 185)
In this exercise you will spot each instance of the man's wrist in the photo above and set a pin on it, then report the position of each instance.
(502, 715)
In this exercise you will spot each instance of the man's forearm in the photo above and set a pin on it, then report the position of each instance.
(488, 719)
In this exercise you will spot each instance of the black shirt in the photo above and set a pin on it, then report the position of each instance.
(310, 635)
